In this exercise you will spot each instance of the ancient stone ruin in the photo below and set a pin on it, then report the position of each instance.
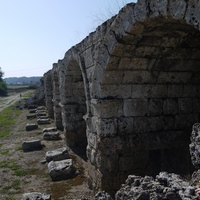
(129, 93)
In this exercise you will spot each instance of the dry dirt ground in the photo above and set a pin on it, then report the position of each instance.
(22, 172)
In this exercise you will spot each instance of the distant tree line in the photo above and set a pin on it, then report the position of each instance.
(3, 85)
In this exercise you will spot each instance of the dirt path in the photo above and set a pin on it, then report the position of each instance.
(9, 100)
(23, 172)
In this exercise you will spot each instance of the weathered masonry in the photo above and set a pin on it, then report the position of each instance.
(130, 91)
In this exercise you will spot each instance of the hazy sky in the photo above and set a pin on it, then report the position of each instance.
(36, 33)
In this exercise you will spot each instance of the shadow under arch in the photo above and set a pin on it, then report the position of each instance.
(74, 106)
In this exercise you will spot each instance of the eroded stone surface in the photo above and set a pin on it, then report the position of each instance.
(57, 154)
(30, 127)
(36, 196)
(61, 170)
(51, 136)
(32, 145)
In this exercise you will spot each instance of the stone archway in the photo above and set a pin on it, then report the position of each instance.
(48, 93)
(147, 93)
(74, 105)
(56, 97)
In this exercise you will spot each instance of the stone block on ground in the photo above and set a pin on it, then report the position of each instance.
(41, 114)
(51, 136)
(33, 145)
(50, 129)
(61, 170)
(36, 196)
(57, 154)
(32, 111)
(32, 107)
(33, 116)
(43, 117)
(41, 108)
(30, 127)
(43, 121)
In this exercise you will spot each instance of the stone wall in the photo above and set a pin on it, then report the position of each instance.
(130, 91)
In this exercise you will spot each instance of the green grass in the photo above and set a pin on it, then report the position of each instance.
(19, 148)
(10, 198)
(4, 152)
(12, 165)
(8, 118)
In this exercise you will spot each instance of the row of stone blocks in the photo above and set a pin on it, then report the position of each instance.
(60, 165)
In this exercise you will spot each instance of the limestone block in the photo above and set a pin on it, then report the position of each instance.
(189, 91)
(61, 170)
(92, 139)
(106, 108)
(41, 114)
(185, 120)
(117, 91)
(155, 107)
(134, 63)
(135, 107)
(177, 8)
(140, 125)
(31, 116)
(36, 196)
(158, 8)
(156, 123)
(43, 121)
(195, 145)
(57, 155)
(125, 125)
(51, 136)
(32, 145)
(106, 127)
(185, 105)
(175, 91)
(139, 77)
(41, 108)
(192, 14)
(113, 77)
(32, 110)
(158, 91)
(174, 77)
(170, 107)
(50, 129)
(196, 105)
(30, 127)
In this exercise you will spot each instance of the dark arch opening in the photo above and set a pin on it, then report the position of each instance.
(157, 75)
(56, 101)
(74, 109)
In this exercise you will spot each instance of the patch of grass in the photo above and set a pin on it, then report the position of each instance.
(10, 198)
(19, 148)
(14, 185)
(12, 165)
(20, 172)
(8, 118)
(1, 144)
(5, 152)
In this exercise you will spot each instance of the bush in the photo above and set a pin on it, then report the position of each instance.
(3, 89)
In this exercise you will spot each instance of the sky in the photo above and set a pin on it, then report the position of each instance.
(34, 34)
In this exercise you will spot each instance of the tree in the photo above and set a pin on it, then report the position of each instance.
(1, 75)
(3, 86)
